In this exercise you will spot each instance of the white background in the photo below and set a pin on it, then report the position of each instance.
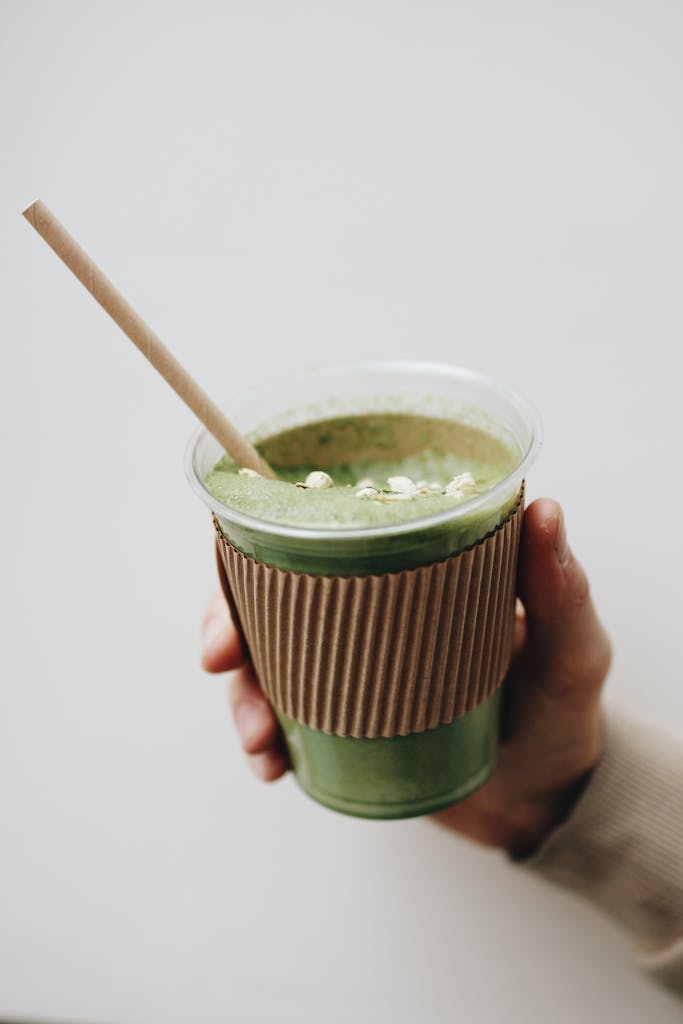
(274, 184)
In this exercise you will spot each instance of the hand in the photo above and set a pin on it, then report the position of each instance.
(253, 715)
(553, 724)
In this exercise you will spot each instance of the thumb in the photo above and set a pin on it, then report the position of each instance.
(567, 652)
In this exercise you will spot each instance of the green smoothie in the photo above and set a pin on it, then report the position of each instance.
(382, 468)
(378, 471)
(370, 463)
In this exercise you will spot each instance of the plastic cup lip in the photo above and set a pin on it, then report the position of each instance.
(307, 534)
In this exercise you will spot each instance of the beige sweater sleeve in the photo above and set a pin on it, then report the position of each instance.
(622, 846)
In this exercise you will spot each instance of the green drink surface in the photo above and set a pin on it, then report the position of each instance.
(352, 449)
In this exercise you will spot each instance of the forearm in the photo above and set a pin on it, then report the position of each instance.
(622, 845)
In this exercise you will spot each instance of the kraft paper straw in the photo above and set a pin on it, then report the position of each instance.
(149, 343)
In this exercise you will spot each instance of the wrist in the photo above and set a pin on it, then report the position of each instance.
(546, 808)
(535, 822)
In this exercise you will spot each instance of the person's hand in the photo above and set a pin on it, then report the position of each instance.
(253, 715)
(552, 729)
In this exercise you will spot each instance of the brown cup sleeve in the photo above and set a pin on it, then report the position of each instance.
(227, 593)
(384, 655)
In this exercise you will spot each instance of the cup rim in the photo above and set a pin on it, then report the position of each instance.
(264, 526)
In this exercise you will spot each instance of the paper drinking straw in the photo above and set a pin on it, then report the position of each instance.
(149, 343)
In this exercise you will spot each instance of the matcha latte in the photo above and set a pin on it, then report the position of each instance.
(373, 580)
(373, 470)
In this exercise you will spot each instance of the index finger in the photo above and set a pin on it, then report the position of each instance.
(221, 647)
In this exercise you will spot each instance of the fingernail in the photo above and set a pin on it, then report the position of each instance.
(259, 766)
(249, 720)
(212, 630)
(561, 544)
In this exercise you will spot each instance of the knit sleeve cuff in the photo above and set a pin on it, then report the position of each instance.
(622, 845)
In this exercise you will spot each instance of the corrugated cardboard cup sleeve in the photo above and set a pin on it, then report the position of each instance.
(380, 655)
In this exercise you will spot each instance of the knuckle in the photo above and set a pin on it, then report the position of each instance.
(604, 657)
(236, 690)
(216, 607)
(580, 592)
(581, 673)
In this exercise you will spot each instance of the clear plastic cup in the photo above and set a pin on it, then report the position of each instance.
(396, 776)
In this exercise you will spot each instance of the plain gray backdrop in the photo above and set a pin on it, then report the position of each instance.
(277, 184)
